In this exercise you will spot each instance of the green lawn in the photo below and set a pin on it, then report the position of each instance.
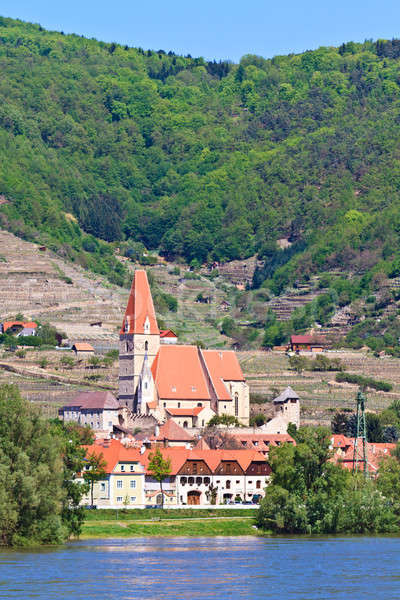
(225, 526)
(157, 513)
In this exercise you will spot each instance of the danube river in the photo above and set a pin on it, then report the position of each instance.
(206, 568)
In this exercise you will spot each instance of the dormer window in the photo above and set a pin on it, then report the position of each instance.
(147, 325)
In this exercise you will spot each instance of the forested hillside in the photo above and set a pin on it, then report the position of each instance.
(207, 161)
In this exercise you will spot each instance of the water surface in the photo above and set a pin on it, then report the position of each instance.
(206, 568)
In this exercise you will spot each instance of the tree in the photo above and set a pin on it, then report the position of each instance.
(159, 467)
(298, 363)
(223, 419)
(339, 423)
(211, 493)
(95, 471)
(37, 468)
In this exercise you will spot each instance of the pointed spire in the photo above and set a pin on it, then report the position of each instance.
(140, 316)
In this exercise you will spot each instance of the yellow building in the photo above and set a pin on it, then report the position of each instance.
(123, 482)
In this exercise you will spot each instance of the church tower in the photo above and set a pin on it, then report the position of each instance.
(139, 337)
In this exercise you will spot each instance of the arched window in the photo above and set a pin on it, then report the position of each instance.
(146, 346)
(236, 404)
(159, 499)
(228, 485)
(199, 404)
(185, 424)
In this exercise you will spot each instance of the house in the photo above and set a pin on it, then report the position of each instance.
(167, 336)
(98, 410)
(197, 474)
(309, 343)
(19, 328)
(286, 409)
(343, 453)
(83, 349)
(262, 442)
(124, 480)
(156, 379)
(171, 434)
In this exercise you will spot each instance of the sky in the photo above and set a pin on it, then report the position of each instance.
(216, 29)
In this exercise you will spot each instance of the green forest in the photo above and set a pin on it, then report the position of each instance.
(201, 160)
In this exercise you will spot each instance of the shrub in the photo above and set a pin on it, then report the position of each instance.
(382, 386)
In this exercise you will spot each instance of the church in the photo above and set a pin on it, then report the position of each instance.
(182, 382)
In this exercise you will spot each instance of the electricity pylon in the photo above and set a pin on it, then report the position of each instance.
(361, 432)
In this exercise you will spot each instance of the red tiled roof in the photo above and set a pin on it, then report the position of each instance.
(140, 307)
(202, 445)
(27, 325)
(173, 432)
(179, 455)
(167, 333)
(375, 453)
(190, 412)
(307, 339)
(262, 441)
(83, 347)
(222, 366)
(178, 373)
(113, 452)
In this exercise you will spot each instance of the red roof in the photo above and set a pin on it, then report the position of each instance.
(179, 455)
(262, 442)
(83, 347)
(167, 333)
(344, 452)
(190, 412)
(171, 431)
(178, 373)
(222, 366)
(27, 325)
(113, 452)
(307, 339)
(140, 307)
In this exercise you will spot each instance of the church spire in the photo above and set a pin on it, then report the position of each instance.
(140, 316)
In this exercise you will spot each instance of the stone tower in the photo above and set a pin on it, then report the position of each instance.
(139, 337)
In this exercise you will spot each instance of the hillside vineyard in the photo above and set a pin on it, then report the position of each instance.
(201, 160)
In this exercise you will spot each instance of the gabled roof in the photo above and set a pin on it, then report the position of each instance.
(113, 452)
(96, 400)
(83, 347)
(140, 307)
(25, 325)
(202, 445)
(287, 394)
(171, 431)
(178, 373)
(167, 333)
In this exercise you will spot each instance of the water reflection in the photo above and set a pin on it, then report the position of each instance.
(206, 568)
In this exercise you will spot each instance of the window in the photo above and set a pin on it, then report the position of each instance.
(179, 404)
(110, 423)
(102, 487)
(191, 480)
(237, 482)
(133, 483)
(194, 468)
(119, 498)
(228, 467)
(258, 484)
(236, 404)
(199, 404)
(228, 485)
(119, 484)
(250, 482)
(185, 424)
(133, 498)
(164, 404)
(183, 480)
(206, 480)
(132, 468)
(122, 468)
(146, 346)
(199, 480)
(145, 385)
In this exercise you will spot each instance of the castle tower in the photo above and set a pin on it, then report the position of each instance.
(139, 336)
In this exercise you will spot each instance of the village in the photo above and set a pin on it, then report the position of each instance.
(192, 405)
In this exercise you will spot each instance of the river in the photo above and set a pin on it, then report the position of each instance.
(206, 568)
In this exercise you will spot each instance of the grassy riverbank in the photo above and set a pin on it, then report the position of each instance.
(169, 523)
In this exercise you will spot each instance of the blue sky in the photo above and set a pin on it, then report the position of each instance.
(216, 29)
